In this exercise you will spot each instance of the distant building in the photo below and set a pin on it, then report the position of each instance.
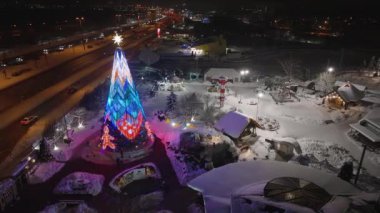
(213, 46)
(227, 73)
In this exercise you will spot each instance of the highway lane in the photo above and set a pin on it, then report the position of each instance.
(25, 89)
(15, 135)
(14, 132)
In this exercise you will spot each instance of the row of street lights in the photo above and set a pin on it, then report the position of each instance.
(244, 72)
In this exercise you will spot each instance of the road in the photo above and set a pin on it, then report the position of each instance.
(14, 132)
(15, 140)
(19, 92)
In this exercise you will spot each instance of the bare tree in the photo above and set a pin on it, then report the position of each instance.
(290, 66)
(326, 81)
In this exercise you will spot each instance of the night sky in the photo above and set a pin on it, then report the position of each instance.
(292, 7)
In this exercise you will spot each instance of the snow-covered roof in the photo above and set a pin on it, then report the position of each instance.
(369, 126)
(350, 93)
(249, 203)
(224, 181)
(371, 99)
(232, 124)
(216, 73)
(342, 83)
(372, 96)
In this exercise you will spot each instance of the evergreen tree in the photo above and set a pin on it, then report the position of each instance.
(44, 152)
(171, 102)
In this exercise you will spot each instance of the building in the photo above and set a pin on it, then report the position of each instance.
(236, 125)
(344, 94)
(213, 46)
(227, 73)
(367, 129)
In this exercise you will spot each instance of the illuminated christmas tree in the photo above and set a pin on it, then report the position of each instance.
(124, 113)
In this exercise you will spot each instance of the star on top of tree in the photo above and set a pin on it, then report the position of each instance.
(117, 39)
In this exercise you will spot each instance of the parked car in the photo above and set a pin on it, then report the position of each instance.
(28, 120)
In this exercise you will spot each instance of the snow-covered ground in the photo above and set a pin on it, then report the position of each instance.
(64, 152)
(80, 183)
(44, 171)
(319, 130)
(68, 207)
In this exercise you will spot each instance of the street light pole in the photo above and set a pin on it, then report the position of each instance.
(258, 100)
(360, 164)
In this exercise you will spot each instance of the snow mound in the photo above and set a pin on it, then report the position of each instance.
(353, 114)
(322, 151)
(65, 207)
(44, 172)
(80, 183)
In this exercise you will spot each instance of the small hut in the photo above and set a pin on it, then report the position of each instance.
(344, 95)
(237, 125)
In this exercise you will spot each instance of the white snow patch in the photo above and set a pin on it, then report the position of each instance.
(80, 183)
(44, 172)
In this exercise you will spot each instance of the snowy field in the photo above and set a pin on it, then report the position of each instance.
(301, 122)
(44, 171)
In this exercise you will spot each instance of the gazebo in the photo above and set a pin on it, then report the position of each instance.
(344, 95)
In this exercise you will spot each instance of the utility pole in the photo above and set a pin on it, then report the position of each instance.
(360, 164)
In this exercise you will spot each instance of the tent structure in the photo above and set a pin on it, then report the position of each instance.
(236, 125)
(222, 185)
(297, 191)
(227, 73)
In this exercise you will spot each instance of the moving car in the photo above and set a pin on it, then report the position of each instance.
(28, 120)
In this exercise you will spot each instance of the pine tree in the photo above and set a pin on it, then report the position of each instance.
(171, 102)
(44, 152)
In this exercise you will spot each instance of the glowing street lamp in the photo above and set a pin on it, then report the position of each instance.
(80, 20)
(330, 69)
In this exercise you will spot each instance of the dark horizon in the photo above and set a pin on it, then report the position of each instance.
(332, 7)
